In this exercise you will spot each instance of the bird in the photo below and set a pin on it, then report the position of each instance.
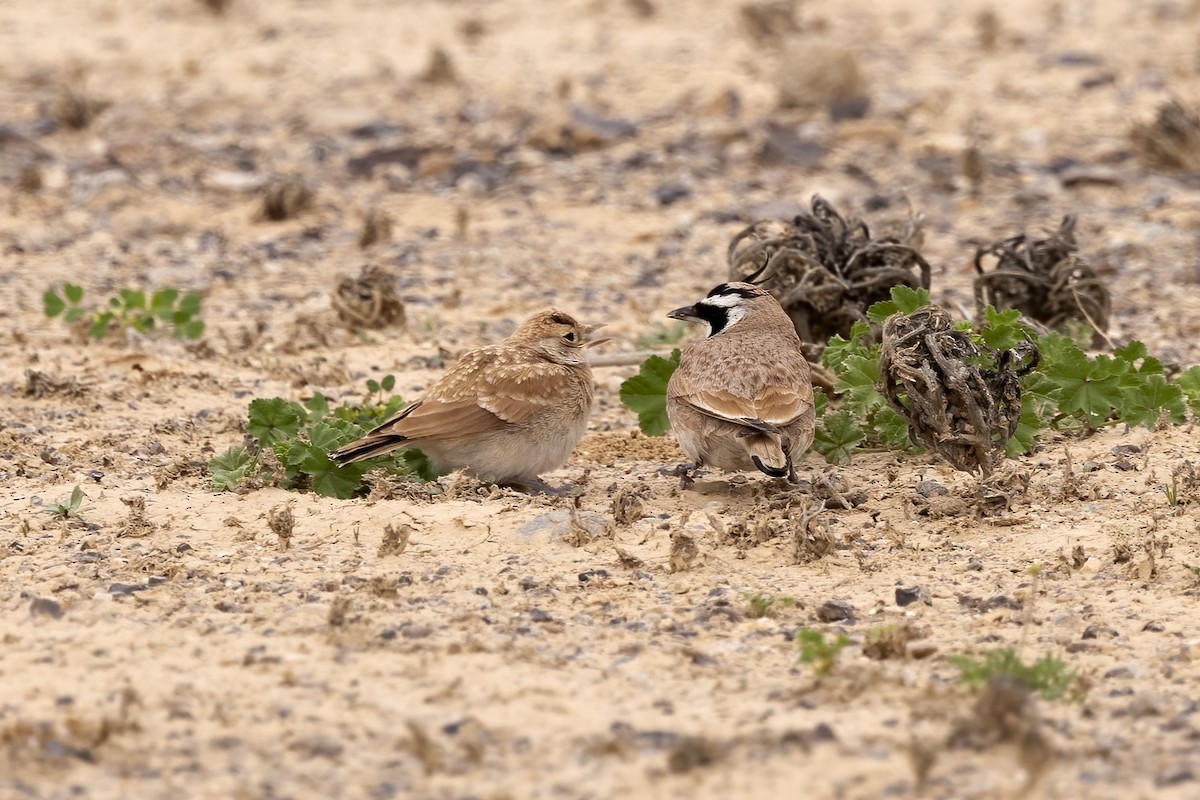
(741, 399)
(504, 413)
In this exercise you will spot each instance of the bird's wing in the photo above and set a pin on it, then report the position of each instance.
(771, 407)
(435, 419)
(485, 392)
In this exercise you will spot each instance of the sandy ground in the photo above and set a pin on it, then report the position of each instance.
(504, 654)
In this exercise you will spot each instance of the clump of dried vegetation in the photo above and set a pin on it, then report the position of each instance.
(824, 269)
(1045, 279)
(962, 401)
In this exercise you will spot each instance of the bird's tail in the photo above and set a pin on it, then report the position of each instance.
(766, 451)
(368, 447)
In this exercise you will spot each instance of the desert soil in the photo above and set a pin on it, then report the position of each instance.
(517, 648)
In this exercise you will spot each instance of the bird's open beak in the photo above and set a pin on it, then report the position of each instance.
(687, 314)
(588, 330)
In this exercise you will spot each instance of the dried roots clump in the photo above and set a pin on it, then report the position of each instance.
(823, 269)
(935, 377)
(1044, 279)
(368, 301)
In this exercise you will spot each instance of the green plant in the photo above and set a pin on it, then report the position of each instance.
(815, 650)
(1171, 490)
(661, 335)
(760, 605)
(70, 509)
(646, 393)
(1048, 676)
(300, 437)
(130, 308)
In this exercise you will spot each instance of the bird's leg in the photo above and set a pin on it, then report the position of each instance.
(791, 476)
(686, 474)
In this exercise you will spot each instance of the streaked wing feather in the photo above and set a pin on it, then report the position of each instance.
(773, 405)
(438, 419)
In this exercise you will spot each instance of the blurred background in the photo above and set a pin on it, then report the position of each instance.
(597, 154)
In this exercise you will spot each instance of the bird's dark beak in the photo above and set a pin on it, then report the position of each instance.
(687, 314)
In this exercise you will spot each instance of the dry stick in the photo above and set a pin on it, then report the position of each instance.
(623, 359)
(1088, 317)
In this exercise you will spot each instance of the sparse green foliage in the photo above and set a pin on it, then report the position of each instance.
(300, 438)
(165, 309)
(70, 509)
(1171, 490)
(816, 651)
(661, 335)
(760, 605)
(1048, 676)
(905, 300)
(646, 393)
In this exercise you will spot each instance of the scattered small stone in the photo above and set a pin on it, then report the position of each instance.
(669, 194)
(120, 589)
(317, 746)
(930, 489)
(693, 752)
(919, 650)
(592, 574)
(45, 607)
(539, 615)
(906, 597)
(1119, 673)
(835, 611)
(1153, 627)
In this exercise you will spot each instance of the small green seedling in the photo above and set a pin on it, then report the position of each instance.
(70, 509)
(1048, 676)
(1171, 490)
(760, 605)
(165, 309)
(815, 650)
(662, 335)
(66, 304)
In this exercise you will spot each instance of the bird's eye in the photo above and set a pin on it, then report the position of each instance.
(570, 337)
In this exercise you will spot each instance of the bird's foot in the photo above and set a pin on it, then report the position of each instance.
(686, 474)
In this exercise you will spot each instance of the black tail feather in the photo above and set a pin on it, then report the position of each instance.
(774, 472)
(366, 448)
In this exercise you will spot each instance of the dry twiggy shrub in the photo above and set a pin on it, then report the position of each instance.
(824, 269)
(285, 198)
(931, 375)
(1171, 143)
(370, 300)
(1044, 279)
(75, 107)
(376, 229)
(439, 71)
